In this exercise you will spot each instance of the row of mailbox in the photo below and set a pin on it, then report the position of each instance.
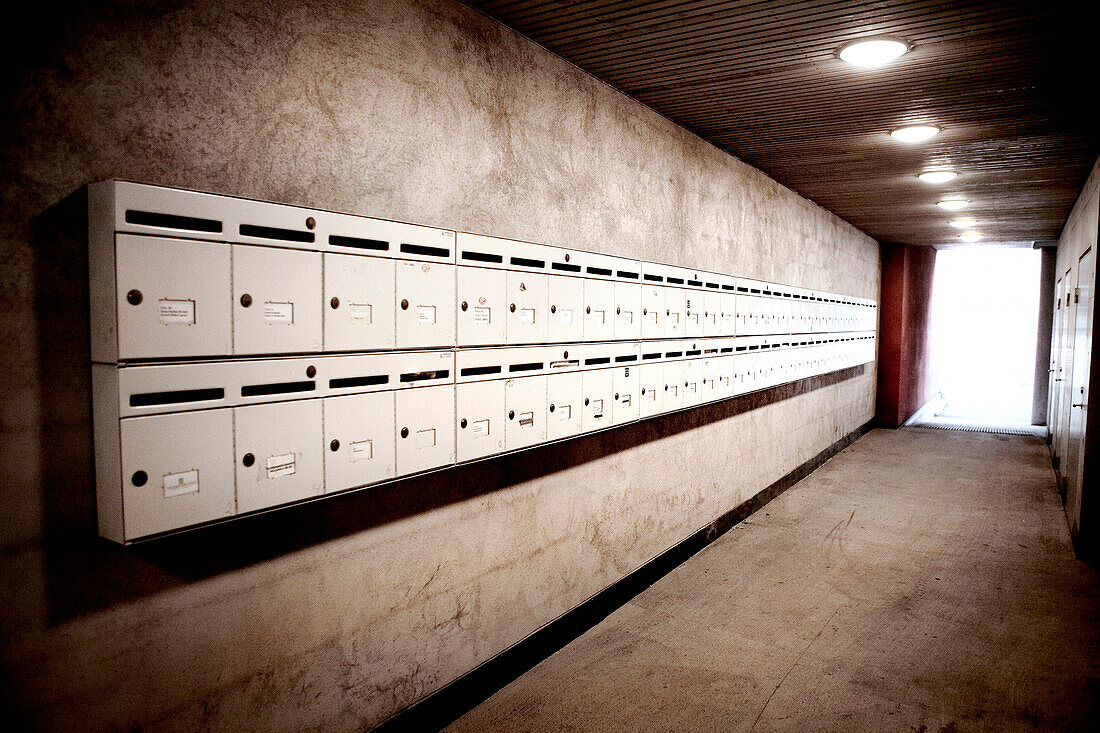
(201, 442)
(180, 274)
(178, 298)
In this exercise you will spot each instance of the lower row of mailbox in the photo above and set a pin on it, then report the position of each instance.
(188, 468)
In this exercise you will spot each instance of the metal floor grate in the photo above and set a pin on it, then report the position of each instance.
(978, 428)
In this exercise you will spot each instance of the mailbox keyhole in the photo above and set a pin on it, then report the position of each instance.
(512, 307)
(465, 305)
(248, 460)
(643, 390)
(588, 309)
(463, 423)
(311, 223)
(404, 305)
(246, 300)
(334, 445)
(311, 371)
(335, 303)
(551, 407)
(668, 312)
(404, 432)
(618, 311)
(645, 311)
(586, 402)
(511, 414)
(134, 297)
(139, 478)
(616, 395)
(553, 309)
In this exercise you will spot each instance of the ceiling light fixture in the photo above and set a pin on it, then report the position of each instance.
(963, 223)
(915, 133)
(873, 52)
(953, 204)
(940, 176)
(970, 236)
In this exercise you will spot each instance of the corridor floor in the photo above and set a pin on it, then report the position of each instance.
(921, 580)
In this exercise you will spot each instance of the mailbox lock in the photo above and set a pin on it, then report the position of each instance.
(618, 311)
(512, 307)
(567, 257)
(551, 407)
(248, 460)
(134, 297)
(645, 311)
(511, 414)
(139, 478)
(311, 223)
(553, 309)
(666, 388)
(565, 355)
(668, 312)
(586, 402)
(643, 390)
(311, 371)
(616, 395)
(404, 305)
(463, 423)
(404, 432)
(246, 300)
(335, 303)
(465, 305)
(334, 445)
(588, 309)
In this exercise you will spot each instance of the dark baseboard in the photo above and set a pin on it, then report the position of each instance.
(449, 703)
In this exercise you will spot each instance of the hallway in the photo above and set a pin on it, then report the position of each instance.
(921, 580)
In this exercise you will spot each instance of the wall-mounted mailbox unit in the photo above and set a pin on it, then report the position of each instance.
(249, 355)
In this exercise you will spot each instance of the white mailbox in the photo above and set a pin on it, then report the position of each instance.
(565, 405)
(566, 298)
(599, 391)
(527, 308)
(172, 298)
(425, 304)
(358, 303)
(675, 312)
(482, 306)
(653, 311)
(177, 470)
(726, 367)
(650, 389)
(628, 311)
(481, 419)
(693, 313)
(276, 300)
(693, 382)
(627, 398)
(712, 310)
(673, 392)
(599, 310)
(727, 308)
(358, 440)
(278, 453)
(525, 402)
(425, 428)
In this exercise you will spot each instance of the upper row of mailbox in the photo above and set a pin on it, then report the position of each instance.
(144, 209)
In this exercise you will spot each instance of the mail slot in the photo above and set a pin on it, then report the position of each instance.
(566, 304)
(425, 304)
(628, 311)
(599, 310)
(481, 417)
(650, 389)
(673, 387)
(481, 306)
(598, 387)
(359, 440)
(172, 298)
(278, 453)
(565, 402)
(276, 300)
(358, 303)
(525, 402)
(653, 311)
(527, 308)
(425, 428)
(177, 470)
(627, 398)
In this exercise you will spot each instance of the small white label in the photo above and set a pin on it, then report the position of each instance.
(598, 316)
(526, 419)
(674, 318)
(651, 395)
(178, 484)
(526, 315)
(281, 465)
(565, 412)
(425, 314)
(597, 409)
(565, 315)
(361, 312)
(482, 314)
(425, 438)
(653, 316)
(628, 316)
(362, 450)
(625, 400)
(278, 313)
(480, 428)
(176, 312)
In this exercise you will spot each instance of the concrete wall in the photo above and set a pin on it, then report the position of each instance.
(337, 614)
(906, 379)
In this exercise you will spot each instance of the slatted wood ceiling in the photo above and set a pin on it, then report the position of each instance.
(761, 80)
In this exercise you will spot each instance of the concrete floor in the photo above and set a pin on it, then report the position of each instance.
(922, 580)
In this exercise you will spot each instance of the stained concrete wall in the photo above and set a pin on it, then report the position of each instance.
(337, 614)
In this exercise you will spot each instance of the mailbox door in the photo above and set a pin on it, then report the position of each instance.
(425, 304)
(480, 414)
(566, 297)
(599, 394)
(651, 383)
(693, 382)
(599, 310)
(673, 387)
(628, 311)
(527, 307)
(627, 399)
(276, 300)
(525, 400)
(358, 303)
(708, 388)
(675, 315)
(278, 453)
(653, 311)
(693, 313)
(725, 376)
(726, 305)
(177, 470)
(425, 428)
(481, 306)
(359, 442)
(565, 400)
(712, 308)
(173, 298)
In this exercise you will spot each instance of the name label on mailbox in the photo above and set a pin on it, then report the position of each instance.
(278, 313)
(281, 465)
(361, 312)
(362, 450)
(176, 312)
(482, 314)
(425, 314)
(180, 484)
(480, 428)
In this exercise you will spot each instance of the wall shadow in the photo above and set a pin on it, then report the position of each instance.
(85, 573)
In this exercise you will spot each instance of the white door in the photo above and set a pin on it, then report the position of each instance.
(599, 310)
(525, 402)
(276, 300)
(480, 412)
(359, 440)
(1082, 356)
(425, 428)
(358, 303)
(527, 307)
(278, 452)
(425, 304)
(598, 390)
(566, 298)
(565, 397)
(481, 306)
